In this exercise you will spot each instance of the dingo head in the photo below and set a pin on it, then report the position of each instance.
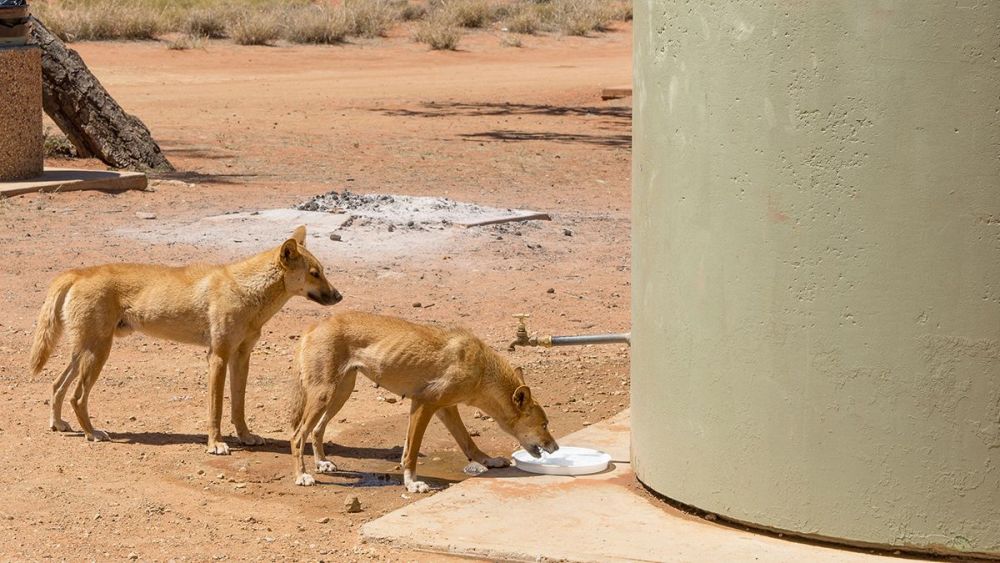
(527, 421)
(303, 272)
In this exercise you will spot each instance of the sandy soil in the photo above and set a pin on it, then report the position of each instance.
(253, 129)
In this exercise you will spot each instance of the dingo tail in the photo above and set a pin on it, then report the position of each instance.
(298, 404)
(49, 326)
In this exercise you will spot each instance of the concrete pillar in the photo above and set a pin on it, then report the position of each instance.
(816, 271)
(21, 153)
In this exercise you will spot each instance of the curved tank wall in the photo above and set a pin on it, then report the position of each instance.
(816, 270)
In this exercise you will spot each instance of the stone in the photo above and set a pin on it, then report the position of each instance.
(352, 505)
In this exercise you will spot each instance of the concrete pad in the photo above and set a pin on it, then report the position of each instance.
(69, 180)
(508, 514)
(616, 92)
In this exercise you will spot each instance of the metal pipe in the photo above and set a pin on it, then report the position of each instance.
(548, 341)
(610, 338)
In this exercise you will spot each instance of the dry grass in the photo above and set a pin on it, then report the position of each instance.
(580, 17)
(186, 42)
(467, 13)
(371, 18)
(316, 24)
(254, 27)
(259, 22)
(103, 20)
(508, 40)
(209, 22)
(439, 31)
(56, 145)
(524, 20)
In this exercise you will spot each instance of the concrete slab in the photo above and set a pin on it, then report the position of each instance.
(616, 92)
(68, 180)
(511, 515)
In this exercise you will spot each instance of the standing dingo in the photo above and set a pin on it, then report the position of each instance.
(221, 307)
(436, 368)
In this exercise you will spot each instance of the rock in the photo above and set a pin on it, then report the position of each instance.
(335, 237)
(145, 215)
(417, 304)
(390, 400)
(352, 505)
(323, 520)
(711, 517)
(391, 227)
(550, 290)
(474, 468)
(133, 556)
(567, 232)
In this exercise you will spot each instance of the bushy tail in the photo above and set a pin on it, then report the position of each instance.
(48, 328)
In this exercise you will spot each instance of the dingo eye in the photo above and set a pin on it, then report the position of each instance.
(545, 426)
(314, 273)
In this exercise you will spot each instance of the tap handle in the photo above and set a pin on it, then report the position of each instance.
(520, 320)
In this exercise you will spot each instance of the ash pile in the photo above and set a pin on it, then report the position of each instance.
(399, 211)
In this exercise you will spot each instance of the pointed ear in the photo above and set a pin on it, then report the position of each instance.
(299, 234)
(289, 251)
(522, 397)
(519, 373)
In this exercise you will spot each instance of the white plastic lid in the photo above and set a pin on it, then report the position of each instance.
(567, 460)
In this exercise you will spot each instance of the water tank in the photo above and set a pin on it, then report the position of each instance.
(816, 269)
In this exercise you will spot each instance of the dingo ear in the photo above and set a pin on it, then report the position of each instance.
(289, 252)
(522, 397)
(299, 234)
(519, 373)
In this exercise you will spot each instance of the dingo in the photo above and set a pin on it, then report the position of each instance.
(436, 368)
(222, 307)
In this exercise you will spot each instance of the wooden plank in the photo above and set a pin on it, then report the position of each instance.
(69, 180)
(616, 92)
(512, 219)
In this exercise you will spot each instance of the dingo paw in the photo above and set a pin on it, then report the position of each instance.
(305, 480)
(417, 487)
(60, 426)
(325, 467)
(98, 436)
(249, 439)
(496, 462)
(218, 448)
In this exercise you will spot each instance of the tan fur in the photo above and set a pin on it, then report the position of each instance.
(222, 307)
(435, 368)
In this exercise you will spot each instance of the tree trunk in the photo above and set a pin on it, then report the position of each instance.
(91, 119)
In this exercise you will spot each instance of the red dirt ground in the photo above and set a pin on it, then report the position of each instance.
(255, 128)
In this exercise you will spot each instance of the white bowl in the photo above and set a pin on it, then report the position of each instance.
(567, 460)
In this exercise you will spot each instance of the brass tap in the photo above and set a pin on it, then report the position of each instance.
(522, 332)
(522, 335)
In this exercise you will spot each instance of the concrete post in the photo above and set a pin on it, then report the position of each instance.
(21, 152)
(816, 282)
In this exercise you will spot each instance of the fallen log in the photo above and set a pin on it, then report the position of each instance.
(91, 119)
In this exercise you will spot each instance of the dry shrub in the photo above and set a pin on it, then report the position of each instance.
(254, 27)
(185, 42)
(621, 10)
(56, 145)
(103, 20)
(525, 20)
(439, 31)
(411, 12)
(370, 18)
(316, 24)
(511, 41)
(467, 13)
(209, 22)
(580, 17)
